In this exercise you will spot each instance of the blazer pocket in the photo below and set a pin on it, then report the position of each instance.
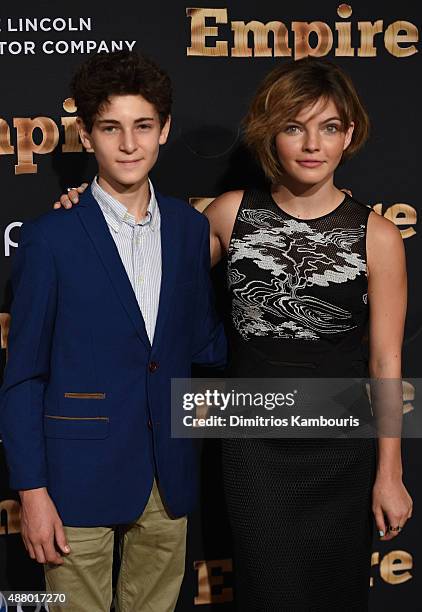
(93, 396)
(75, 427)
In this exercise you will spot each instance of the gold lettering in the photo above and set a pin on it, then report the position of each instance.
(344, 48)
(408, 396)
(393, 562)
(207, 580)
(368, 31)
(344, 10)
(26, 145)
(69, 105)
(200, 32)
(5, 147)
(303, 31)
(400, 214)
(71, 144)
(393, 39)
(13, 520)
(261, 34)
(271, 39)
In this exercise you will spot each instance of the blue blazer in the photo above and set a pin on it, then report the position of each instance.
(85, 403)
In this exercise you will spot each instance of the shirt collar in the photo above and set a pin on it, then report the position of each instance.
(116, 213)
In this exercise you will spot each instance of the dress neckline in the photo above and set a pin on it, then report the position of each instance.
(301, 220)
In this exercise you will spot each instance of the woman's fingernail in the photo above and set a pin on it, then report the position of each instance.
(381, 533)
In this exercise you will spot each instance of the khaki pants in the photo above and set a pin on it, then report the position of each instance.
(152, 565)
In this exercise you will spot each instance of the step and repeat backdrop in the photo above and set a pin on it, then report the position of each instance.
(216, 53)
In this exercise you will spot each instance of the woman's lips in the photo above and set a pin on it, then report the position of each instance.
(309, 163)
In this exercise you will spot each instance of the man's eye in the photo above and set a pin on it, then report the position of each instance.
(144, 126)
(109, 129)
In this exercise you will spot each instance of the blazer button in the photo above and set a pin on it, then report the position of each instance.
(149, 424)
(153, 366)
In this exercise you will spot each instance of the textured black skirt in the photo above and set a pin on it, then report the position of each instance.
(300, 512)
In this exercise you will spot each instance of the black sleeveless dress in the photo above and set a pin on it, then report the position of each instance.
(300, 509)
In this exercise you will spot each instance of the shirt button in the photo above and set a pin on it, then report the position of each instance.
(153, 366)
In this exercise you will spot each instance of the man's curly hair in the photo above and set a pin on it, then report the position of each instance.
(119, 74)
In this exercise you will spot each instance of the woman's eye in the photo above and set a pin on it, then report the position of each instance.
(332, 128)
(292, 129)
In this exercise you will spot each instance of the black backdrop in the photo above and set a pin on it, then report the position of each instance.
(213, 83)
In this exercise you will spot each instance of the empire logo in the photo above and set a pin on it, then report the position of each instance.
(39, 135)
(300, 39)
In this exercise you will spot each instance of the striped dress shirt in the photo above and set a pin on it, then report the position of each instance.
(139, 246)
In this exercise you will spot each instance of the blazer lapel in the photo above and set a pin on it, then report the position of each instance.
(96, 226)
(170, 249)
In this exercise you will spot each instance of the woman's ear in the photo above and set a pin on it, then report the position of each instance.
(348, 135)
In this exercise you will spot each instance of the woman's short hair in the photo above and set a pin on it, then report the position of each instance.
(285, 92)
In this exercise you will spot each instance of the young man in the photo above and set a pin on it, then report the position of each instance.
(111, 300)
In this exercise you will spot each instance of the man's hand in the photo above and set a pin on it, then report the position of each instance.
(41, 527)
(67, 200)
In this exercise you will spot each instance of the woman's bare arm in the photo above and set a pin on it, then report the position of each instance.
(222, 214)
(387, 296)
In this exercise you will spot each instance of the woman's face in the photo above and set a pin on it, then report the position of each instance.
(310, 147)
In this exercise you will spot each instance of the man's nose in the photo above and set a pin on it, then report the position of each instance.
(128, 142)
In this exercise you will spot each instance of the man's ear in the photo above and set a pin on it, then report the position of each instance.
(165, 131)
(84, 135)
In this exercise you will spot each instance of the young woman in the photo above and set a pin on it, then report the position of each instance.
(308, 267)
(311, 273)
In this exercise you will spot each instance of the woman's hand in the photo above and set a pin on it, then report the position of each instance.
(391, 504)
(67, 200)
